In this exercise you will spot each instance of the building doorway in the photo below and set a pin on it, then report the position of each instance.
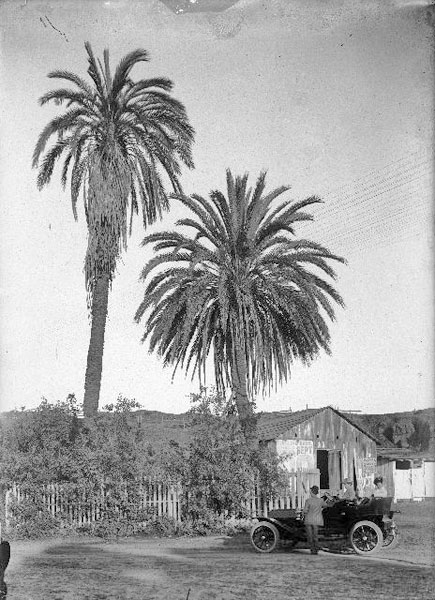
(322, 465)
(329, 465)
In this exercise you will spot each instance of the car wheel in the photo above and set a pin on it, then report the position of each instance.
(366, 537)
(264, 537)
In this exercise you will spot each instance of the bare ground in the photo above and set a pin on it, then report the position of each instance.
(221, 568)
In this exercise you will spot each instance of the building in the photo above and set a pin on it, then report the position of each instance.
(322, 441)
(407, 474)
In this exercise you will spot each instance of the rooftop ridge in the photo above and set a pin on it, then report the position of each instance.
(276, 423)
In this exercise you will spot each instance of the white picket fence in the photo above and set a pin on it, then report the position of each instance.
(161, 499)
(294, 495)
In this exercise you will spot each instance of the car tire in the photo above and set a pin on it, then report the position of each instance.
(366, 538)
(264, 537)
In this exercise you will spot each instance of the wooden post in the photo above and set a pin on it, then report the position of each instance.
(7, 497)
(159, 499)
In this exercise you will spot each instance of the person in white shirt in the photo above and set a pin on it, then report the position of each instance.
(380, 490)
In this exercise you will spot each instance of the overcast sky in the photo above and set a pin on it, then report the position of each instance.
(331, 97)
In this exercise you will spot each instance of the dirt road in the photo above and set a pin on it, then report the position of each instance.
(212, 568)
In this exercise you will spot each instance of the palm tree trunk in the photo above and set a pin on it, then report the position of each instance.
(94, 365)
(240, 395)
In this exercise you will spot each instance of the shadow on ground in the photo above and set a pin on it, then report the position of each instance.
(212, 568)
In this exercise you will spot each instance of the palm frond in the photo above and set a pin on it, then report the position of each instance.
(95, 72)
(124, 67)
(65, 95)
(73, 78)
(57, 126)
(263, 215)
(48, 162)
(137, 89)
(107, 74)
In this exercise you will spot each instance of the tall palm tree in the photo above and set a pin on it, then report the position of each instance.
(241, 287)
(118, 139)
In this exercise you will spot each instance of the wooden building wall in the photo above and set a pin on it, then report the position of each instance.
(347, 450)
(408, 479)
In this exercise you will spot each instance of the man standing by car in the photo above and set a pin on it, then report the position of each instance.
(313, 518)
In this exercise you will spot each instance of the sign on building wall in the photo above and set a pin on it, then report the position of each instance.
(368, 466)
(297, 454)
(365, 467)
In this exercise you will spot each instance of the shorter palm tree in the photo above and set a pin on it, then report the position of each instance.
(241, 288)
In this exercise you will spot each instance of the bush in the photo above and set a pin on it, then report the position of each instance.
(100, 462)
(218, 469)
(31, 520)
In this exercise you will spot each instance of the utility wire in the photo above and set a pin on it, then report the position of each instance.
(373, 207)
(388, 171)
(353, 198)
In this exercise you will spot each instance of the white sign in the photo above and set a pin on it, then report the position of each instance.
(305, 447)
(297, 454)
(368, 466)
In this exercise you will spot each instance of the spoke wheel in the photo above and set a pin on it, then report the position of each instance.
(264, 537)
(366, 537)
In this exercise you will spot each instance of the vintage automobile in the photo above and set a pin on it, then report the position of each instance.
(366, 526)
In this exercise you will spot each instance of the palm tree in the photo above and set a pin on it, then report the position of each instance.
(118, 139)
(242, 288)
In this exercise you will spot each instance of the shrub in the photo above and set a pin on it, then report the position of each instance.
(100, 463)
(218, 469)
(31, 520)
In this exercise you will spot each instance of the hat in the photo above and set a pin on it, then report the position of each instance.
(347, 480)
(314, 489)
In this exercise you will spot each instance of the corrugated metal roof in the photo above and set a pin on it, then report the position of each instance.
(271, 425)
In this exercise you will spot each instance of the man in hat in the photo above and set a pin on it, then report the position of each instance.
(313, 518)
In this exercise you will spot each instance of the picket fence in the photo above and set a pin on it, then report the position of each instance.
(160, 498)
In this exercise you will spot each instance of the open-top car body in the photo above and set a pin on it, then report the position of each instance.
(365, 526)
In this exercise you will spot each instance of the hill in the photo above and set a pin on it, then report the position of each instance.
(414, 430)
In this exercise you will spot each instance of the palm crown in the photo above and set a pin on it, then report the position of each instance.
(242, 286)
(117, 138)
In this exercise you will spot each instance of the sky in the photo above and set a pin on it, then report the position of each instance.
(331, 97)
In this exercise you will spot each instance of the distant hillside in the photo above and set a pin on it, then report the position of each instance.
(414, 429)
(162, 427)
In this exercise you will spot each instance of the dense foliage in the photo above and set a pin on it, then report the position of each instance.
(104, 461)
(218, 468)
(51, 445)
